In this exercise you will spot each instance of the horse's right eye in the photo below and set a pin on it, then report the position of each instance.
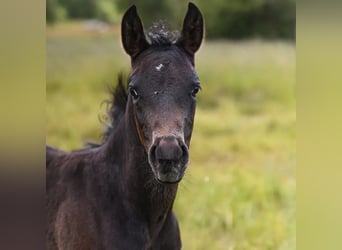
(195, 91)
(134, 94)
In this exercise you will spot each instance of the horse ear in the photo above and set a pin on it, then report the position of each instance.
(192, 30)
(132, 32)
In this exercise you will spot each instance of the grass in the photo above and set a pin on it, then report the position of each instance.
(239, 191)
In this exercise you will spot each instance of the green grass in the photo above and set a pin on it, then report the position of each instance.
(239, 191)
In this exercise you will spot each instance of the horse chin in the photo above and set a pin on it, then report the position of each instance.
(169, 178)
(168, 173)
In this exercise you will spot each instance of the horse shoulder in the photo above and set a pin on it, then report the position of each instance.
(74, 227)
(70, 222)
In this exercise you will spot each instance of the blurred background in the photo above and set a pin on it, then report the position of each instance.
(240, 188)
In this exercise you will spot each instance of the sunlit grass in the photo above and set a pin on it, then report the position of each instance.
(239, 191)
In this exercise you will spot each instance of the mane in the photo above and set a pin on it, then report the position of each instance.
(116, 106)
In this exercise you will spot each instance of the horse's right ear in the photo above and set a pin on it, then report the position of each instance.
(132, 32)
(192, 30)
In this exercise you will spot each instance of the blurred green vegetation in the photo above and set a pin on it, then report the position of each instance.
(59, 10)
(224, 19)
(239, 190)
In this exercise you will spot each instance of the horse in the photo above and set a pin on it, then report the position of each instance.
(119, 194)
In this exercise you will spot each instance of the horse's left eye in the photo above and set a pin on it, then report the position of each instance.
(134, 93)
(195, 91)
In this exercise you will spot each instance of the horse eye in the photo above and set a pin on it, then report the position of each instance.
(195, 91)
(134, 93)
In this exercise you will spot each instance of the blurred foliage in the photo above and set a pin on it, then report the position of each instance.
(233, 19)
(249, 18)
(54, 11)
(104, 10)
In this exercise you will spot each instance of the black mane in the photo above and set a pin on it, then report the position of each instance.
(116, 105)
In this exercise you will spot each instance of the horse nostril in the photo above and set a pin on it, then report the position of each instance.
(168, 149)
(185, 153)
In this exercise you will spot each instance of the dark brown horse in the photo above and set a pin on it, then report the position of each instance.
(119, 194)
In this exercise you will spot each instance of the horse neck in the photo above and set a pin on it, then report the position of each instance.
(136, 177)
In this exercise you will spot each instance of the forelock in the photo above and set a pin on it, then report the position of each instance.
(159, 34)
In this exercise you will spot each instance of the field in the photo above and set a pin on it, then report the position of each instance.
(239, 191)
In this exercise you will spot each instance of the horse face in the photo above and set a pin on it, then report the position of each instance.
(162, 91)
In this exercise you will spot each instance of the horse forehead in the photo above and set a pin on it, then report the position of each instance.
(169, 74)
(166, 68)
(164, 60)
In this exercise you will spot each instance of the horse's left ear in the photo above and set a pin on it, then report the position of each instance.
(132, 32)
(192, 30)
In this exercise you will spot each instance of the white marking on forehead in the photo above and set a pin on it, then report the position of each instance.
(159, 67)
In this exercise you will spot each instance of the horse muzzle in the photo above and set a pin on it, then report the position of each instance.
(168, 157)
